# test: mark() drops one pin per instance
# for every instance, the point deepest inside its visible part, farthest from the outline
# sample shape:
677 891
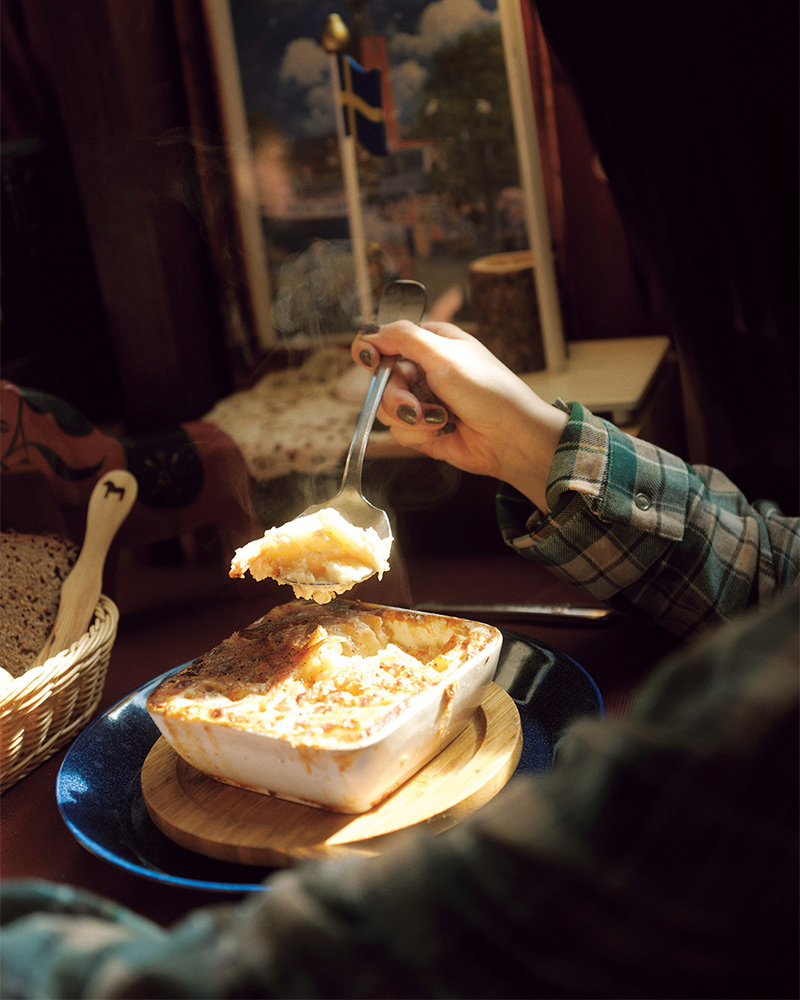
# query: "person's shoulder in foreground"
658 857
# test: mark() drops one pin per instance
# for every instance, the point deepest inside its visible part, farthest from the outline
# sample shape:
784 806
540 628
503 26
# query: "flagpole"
347 155
538 221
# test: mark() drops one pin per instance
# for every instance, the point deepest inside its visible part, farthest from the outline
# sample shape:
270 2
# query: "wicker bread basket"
48 706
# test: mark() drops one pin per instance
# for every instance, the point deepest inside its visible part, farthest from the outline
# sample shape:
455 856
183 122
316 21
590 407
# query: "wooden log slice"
506 311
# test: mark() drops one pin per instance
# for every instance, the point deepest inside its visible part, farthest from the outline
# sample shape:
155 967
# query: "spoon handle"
358 446
109 505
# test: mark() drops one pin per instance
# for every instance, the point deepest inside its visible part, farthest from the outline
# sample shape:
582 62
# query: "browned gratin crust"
305 671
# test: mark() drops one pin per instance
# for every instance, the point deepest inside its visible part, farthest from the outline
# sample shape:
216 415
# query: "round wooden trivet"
234 824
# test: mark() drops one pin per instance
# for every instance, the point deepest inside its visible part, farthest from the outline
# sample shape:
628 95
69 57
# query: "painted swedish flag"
360 94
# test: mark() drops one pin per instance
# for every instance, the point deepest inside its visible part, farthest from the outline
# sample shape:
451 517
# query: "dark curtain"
122 280
54 333
693 109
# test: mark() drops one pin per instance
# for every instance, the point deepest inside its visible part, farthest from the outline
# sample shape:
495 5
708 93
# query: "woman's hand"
450 398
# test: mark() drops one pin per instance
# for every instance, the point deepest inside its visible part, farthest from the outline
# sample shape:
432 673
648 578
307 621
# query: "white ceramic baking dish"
354 775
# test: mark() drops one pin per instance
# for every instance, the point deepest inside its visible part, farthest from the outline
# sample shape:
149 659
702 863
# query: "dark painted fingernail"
435 416
366 358
368 328
447 429
407 413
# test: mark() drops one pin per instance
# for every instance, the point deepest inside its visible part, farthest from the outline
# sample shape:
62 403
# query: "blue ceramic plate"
100 797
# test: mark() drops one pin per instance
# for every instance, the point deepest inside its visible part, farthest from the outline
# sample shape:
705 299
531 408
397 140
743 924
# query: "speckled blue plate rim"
98 787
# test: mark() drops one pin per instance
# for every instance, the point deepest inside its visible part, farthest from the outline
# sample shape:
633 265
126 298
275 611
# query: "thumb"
421 344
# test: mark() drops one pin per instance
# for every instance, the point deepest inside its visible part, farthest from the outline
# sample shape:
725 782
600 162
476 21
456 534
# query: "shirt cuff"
604 476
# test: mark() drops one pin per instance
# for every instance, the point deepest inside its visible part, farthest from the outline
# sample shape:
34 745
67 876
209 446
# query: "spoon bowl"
401 299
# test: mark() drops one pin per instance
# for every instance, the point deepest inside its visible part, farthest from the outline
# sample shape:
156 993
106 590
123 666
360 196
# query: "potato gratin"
319 676
332 705
314 549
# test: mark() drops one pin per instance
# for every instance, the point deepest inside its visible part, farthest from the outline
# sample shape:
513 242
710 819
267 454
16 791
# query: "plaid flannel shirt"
640 529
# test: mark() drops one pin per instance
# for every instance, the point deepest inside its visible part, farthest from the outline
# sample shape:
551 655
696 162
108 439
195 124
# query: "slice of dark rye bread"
32 571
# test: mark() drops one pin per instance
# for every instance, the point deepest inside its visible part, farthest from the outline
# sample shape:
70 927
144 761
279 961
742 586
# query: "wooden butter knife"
109 505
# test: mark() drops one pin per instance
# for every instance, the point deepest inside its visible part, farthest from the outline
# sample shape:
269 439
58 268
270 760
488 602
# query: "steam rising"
316 292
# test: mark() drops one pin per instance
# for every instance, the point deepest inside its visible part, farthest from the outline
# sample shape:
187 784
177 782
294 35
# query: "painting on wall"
446 191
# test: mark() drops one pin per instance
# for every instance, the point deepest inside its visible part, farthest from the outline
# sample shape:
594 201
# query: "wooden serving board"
235 824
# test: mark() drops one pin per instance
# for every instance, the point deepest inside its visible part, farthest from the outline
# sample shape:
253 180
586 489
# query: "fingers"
408 399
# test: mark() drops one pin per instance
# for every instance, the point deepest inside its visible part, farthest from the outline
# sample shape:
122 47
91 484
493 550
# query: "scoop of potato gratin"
320 555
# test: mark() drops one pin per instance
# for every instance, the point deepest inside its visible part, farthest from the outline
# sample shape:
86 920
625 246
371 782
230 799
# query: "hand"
450 398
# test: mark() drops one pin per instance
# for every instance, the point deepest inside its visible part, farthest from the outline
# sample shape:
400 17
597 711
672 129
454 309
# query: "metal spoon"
400 299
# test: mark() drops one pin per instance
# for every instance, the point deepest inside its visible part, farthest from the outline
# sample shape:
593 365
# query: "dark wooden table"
171 614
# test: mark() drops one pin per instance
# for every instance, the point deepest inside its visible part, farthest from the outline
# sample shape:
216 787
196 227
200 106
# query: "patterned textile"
657 858
640 529
188 476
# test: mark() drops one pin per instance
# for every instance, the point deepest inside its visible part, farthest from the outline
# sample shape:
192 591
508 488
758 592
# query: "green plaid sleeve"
642 530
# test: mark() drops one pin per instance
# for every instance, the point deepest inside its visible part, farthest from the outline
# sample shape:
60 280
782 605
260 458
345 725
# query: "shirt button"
642 501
